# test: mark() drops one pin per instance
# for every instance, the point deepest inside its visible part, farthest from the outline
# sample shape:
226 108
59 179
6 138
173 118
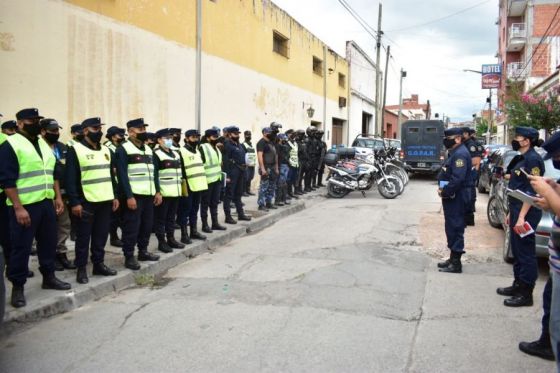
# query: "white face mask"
168 143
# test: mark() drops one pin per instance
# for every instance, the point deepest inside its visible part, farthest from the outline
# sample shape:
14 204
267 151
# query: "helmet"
311 130
320 132
275 126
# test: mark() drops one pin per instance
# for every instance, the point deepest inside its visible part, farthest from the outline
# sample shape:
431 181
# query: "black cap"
10 124
136 123
76 128
31 113
150 136
528 132
174 131
92 122
233 129
164 132
211 132
114 130
192 133
49 124
454 131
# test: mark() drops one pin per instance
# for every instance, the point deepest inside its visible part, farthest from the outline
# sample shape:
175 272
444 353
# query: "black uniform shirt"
532 163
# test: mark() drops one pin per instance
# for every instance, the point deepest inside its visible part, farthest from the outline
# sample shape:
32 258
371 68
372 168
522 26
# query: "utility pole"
490 118
198 68
403 75
378 73
385 91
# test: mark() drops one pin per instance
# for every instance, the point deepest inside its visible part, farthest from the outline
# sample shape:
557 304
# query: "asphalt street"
346 285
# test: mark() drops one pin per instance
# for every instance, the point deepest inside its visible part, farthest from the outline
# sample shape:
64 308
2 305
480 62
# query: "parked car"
497 208
365 145
488 162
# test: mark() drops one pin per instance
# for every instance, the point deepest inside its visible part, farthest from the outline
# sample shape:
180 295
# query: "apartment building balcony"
515 71
517 37
516 8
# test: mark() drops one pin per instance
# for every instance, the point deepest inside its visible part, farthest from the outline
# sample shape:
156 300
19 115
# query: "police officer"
476 153
176 137
525 268
234 166
322 152
250 161
212 159
76 133
171 173
310 156
196 182
268 169
115 137
314 148
151 140
27 176
9 127
139 186
284 169
50 132
303 159
92 191
454 193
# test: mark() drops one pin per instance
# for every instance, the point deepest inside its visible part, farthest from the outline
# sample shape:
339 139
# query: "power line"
359 19
540 42
442 18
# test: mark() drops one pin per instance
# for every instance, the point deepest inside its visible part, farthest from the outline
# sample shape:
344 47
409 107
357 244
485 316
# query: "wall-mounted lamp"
310 110
331 70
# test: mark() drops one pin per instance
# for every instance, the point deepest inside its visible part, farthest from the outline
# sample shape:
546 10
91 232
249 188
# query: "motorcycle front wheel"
335 191
389 187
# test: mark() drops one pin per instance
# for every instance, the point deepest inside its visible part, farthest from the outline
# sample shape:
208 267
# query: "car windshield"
369 143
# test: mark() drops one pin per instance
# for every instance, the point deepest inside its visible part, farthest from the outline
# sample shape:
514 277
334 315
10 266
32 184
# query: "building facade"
124 59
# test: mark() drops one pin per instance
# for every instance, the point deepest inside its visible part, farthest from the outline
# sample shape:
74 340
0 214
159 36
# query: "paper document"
523 197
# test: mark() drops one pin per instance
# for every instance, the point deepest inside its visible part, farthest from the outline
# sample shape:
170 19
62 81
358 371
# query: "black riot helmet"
276 127
311 130
300 134
320 133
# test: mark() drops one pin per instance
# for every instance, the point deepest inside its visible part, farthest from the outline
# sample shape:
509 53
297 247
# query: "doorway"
366 120
337 131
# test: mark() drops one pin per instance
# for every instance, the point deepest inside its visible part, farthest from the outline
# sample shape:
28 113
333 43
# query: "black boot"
115 240
523 299
66 263
162 244
216 224
243 217
270 206
445 263
146 256
455 265
205 227
51 282
509 291
130 262
18 297
541 348
230 220
185 235
172 242
81 275
100 269
195 235
58 265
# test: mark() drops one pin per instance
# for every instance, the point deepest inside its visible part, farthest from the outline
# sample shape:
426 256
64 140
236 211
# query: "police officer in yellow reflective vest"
91 189
115 137
196 182
171 173
212 159
27 176
139 188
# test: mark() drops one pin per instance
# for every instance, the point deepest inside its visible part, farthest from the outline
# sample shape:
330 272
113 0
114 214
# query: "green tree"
538 111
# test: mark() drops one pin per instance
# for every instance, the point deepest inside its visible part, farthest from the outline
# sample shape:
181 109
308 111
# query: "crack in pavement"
129 315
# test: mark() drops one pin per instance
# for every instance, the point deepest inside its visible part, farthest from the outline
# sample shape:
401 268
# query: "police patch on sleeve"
473 148
459 163
535 171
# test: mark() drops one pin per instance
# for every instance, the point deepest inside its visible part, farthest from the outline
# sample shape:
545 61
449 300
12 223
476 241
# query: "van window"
431 129
413 129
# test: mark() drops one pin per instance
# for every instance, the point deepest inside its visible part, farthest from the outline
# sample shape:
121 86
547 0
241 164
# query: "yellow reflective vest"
212 163
140 169
95 170
196 176
170 174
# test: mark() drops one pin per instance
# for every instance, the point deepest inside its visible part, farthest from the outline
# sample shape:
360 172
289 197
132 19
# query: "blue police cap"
225 129
31 113
283 136
114 130
267 130
76 128
233 129
527 132
453 131
49 124
211 132
150 136
10 124
192 133
174 131
136 123
164 133
218 130
552 145
92 122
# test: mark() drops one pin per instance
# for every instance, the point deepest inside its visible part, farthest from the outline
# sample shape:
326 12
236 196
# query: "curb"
81 295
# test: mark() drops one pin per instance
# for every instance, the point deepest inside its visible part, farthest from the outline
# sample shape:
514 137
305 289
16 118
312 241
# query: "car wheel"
493 213
506 250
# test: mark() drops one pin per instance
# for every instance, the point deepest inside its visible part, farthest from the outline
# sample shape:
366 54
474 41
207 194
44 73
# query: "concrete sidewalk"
45 303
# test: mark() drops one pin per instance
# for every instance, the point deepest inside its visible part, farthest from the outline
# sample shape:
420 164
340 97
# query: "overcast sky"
433 55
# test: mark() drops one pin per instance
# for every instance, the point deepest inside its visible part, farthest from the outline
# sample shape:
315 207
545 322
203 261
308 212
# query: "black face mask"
79 138
176 139
248 140
32 129
193 144
213 142
51 138
119 141
234 138
448 143
151 145
95 137
142 136
515 145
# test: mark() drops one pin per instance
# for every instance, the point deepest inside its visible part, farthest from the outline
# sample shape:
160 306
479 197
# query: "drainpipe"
325 91
198 72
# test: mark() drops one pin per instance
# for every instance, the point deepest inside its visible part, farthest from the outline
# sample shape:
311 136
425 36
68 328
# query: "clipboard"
523 197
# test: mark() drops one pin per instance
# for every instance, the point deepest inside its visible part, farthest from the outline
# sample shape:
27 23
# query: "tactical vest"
109 144
170 175
250 155
140 169
294 159
95 169
35 181
212 164
196 176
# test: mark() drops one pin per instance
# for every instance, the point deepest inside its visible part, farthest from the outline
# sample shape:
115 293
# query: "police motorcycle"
348 173
384 160
392 159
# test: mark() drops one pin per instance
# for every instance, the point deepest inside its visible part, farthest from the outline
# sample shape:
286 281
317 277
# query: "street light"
489 100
